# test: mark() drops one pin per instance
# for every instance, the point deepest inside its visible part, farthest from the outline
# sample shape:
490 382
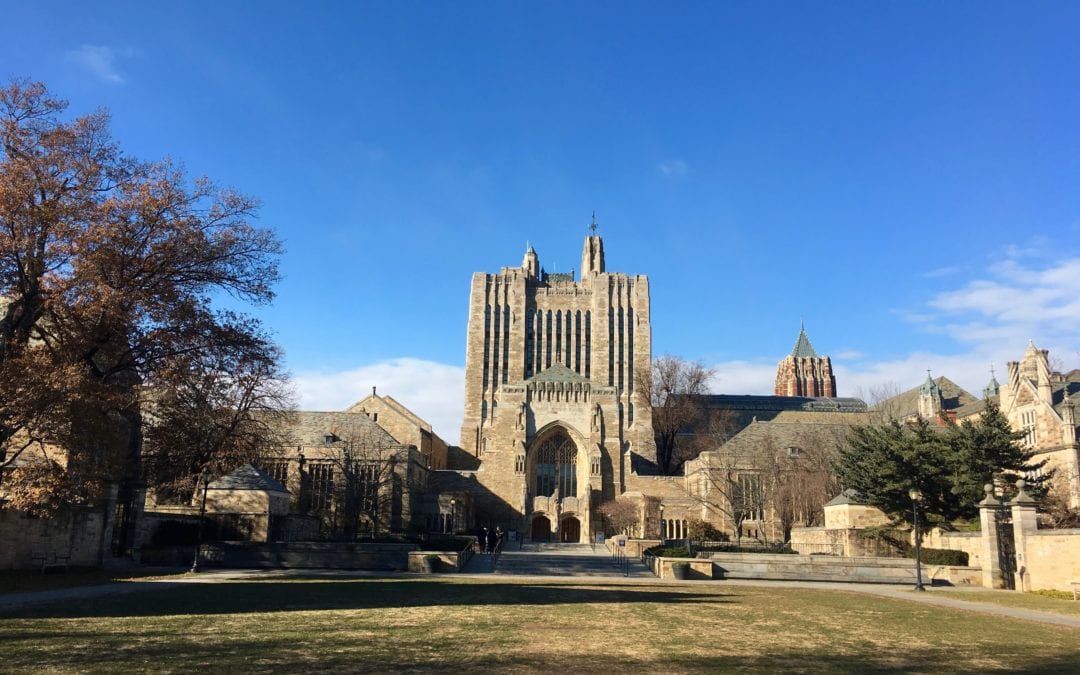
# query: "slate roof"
312 428
557 373
774 404
803 348
248 477
906 404
848 496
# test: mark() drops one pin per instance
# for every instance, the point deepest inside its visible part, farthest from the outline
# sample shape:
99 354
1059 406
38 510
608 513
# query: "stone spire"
592 255
531 263
930 399
992 388
803 348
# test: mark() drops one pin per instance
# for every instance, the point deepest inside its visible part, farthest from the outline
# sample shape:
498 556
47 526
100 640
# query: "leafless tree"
674 387
368 477
764 478
621 516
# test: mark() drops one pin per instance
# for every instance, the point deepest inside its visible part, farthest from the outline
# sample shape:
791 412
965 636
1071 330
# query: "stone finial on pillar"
988 519
1025 524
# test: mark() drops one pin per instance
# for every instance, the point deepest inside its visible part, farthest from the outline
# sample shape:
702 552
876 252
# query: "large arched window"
556 466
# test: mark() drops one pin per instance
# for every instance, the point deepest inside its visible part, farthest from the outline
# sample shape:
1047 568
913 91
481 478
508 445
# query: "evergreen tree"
948 465
989 450
883 462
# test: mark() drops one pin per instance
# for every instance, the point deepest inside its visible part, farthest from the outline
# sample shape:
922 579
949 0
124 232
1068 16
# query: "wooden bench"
50 561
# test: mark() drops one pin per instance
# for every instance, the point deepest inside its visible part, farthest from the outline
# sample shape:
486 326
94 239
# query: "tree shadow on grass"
167 651
240 597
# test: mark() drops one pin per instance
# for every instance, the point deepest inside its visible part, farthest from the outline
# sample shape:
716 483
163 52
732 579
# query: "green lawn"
425 623
21 581
1042 603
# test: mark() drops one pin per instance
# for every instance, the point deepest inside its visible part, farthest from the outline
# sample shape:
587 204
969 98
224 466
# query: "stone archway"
541 529
555 466
569 530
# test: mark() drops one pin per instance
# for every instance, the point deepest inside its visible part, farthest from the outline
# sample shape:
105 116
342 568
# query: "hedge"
943 556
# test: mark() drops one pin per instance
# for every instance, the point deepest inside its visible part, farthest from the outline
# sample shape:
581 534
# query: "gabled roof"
905 405
312 428
247 477
557 373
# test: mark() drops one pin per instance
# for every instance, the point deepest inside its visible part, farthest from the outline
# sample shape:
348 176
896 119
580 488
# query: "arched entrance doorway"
569 530
541 529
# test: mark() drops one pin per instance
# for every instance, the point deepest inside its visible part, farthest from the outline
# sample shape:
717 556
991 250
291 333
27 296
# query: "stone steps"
566 563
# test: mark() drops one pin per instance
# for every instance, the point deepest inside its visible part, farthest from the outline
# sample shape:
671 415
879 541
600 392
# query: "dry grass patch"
1041 603
503 625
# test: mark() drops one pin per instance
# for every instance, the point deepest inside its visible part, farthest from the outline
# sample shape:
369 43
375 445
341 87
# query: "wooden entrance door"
541 529
570 530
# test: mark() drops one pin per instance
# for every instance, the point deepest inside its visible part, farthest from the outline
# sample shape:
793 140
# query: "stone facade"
553 409
1041 403
405 426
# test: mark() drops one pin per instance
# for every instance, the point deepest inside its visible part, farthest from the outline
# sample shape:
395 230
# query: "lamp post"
662 525
453 515
204 478
915 497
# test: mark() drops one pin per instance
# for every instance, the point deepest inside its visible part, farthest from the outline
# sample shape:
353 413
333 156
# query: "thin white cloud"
940 272
434 391
674 167
1020 302
100 61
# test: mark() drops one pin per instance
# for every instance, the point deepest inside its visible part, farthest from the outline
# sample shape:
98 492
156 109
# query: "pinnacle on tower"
592 255
803 348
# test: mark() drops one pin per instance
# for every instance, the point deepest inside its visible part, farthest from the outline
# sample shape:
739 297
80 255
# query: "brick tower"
804 373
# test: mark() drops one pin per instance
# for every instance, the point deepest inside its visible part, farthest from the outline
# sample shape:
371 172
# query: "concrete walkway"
930 597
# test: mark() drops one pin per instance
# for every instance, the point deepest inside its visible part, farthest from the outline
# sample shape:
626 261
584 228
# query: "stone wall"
80 536
839 542
1051 560
969 542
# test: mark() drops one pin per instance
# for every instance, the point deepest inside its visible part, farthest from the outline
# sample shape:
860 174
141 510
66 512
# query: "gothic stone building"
553 408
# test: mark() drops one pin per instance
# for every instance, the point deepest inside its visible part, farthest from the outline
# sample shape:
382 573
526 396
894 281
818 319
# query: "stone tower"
804 373
552 404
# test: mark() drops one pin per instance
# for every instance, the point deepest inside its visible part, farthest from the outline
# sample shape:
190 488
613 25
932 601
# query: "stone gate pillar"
1025 523
988 517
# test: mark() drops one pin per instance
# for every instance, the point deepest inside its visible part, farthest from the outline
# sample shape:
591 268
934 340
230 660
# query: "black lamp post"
453 515
204 478
915 497
662 532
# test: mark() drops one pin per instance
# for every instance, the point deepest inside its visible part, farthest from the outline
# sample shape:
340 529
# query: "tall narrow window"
506 342
495 349
556 467
588 344
577 342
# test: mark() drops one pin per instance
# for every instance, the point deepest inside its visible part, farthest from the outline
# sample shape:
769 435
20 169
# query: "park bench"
50 561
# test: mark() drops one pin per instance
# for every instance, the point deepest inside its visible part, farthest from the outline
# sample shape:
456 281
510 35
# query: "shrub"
944 556
1058 595
669 552
700 530
175 533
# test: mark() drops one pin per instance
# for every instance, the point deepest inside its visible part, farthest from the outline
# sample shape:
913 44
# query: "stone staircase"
563 560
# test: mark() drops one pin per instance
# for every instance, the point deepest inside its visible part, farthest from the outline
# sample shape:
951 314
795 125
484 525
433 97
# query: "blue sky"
905 177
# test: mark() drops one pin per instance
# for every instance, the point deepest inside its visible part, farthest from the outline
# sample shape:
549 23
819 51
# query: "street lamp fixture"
453 515
916 497
662 531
